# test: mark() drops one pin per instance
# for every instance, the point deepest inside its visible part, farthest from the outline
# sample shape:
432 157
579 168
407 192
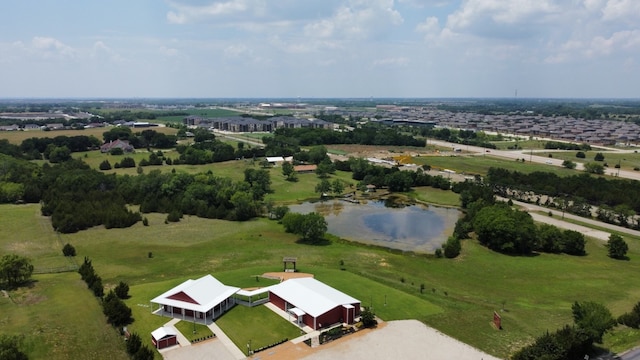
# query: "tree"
594 319
581 155
598 157
569 164
631 319
280 211
105 165
68 250
287 170
452 247
506 230
117 312
127 162
59 154
318 154
325 168
311 227
15 269
337 186
573 242
10 348
323 187
134 342
144 353
594 168
617 247
122 290
549 239
368 318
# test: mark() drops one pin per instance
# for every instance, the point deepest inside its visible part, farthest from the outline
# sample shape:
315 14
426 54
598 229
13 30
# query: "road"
530 156
557 221
633 354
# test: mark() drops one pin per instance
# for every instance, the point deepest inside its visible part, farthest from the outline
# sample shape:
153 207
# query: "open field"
627 161
17 137
60 319
481 164
533 294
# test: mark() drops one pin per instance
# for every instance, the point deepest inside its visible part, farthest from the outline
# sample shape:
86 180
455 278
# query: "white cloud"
430 28
394 61
184 13
356 20
619 41
502 19
628 10
49 48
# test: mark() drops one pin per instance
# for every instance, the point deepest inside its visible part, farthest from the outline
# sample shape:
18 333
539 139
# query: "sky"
320 48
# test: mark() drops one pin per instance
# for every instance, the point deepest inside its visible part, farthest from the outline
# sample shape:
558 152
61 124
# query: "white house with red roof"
204 299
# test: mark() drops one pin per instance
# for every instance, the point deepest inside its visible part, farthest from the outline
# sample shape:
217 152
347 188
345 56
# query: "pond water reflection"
410 228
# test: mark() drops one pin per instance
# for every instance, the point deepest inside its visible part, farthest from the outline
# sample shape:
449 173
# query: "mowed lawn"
533 294
256 325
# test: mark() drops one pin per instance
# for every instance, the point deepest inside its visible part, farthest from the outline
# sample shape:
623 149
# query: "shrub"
127 162
452 247
617 247
105 165
69 250
122 290
581 155
174 216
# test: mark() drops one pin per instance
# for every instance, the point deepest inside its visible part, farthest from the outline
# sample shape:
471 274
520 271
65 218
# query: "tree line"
501 228
618 199
118 314
287 141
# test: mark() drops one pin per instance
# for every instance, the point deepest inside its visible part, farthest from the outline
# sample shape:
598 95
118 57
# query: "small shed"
163 337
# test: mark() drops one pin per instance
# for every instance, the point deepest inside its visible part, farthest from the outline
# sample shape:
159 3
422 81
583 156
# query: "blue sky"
320 48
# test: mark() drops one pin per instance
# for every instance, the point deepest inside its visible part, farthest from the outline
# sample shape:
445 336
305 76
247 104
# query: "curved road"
558 216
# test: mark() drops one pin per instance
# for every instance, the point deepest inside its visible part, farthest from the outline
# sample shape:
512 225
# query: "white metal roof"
311 296
275 158
207 292
163 332
253 292
296 311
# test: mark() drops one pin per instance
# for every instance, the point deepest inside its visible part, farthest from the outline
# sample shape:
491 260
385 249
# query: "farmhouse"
124 145
204 299
308 301
314 303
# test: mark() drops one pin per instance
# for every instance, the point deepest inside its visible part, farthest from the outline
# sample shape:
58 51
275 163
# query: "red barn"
164 337
314 303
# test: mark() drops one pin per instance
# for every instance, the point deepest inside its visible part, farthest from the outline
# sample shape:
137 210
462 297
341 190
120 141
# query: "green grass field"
535 292
481 164
257 325
627 161
60 319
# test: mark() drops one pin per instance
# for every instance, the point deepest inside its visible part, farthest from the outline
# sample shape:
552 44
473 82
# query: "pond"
411 228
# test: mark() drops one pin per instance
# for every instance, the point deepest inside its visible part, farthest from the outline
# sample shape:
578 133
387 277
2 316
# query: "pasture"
533 294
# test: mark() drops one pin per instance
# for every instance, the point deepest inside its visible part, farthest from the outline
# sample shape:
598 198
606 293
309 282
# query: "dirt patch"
28 298
285 275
